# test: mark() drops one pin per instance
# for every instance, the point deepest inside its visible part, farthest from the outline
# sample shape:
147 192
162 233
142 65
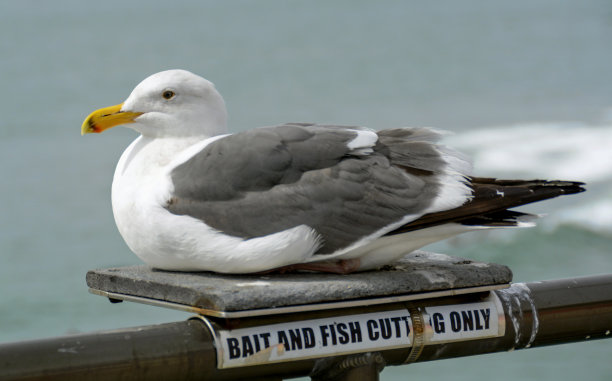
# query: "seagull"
189 196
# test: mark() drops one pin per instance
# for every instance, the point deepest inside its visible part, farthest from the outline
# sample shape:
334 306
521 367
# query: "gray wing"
269 179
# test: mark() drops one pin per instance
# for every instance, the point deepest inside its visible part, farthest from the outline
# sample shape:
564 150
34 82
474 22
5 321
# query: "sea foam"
566 151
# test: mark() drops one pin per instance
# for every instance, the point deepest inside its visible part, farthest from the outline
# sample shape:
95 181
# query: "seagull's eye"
168 94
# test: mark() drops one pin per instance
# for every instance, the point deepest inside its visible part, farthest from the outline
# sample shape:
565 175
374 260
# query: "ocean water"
524 87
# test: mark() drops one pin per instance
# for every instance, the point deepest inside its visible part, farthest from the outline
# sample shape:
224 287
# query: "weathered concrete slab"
419 272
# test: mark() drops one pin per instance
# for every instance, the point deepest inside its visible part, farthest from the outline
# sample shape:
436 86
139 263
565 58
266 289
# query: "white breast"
138 193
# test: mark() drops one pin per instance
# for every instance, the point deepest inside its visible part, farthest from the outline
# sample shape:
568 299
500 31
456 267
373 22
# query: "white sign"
314 338
469 321
355 333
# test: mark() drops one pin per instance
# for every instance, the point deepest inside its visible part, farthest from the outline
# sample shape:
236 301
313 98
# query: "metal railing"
534 314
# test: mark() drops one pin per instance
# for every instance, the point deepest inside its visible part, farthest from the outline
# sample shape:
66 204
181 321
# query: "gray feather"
266 180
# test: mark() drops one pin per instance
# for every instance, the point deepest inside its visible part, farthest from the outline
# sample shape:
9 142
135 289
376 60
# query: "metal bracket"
361 367
418 333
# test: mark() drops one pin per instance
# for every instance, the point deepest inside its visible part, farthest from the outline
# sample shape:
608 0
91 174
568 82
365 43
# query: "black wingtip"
492 197
567 187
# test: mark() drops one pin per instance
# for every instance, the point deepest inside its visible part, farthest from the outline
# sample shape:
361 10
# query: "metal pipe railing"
536 314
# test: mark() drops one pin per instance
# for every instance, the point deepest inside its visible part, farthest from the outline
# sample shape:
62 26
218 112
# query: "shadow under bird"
188 196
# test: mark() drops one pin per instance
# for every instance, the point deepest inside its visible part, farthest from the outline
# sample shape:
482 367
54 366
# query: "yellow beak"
107 117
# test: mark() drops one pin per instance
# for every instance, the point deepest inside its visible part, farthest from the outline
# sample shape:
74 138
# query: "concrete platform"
419 275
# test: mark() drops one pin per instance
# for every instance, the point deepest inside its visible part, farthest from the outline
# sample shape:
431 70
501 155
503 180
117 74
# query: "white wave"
571 151
566 151
595 216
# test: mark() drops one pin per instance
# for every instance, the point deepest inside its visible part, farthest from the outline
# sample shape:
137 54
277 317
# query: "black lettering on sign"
324 335
372 330
265 336
309 337
295 338
486 314
256 343
343 336
332 329
282 339
468 320
455 320
385 328
477 323
355 329
247 347
398 328
233 346
438 322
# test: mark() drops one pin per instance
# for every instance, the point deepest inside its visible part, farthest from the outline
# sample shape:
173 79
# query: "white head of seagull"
172 103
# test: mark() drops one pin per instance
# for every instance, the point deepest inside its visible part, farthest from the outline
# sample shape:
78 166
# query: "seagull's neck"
148 154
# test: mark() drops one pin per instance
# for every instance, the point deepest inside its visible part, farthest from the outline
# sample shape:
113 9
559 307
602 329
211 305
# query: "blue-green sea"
524 86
